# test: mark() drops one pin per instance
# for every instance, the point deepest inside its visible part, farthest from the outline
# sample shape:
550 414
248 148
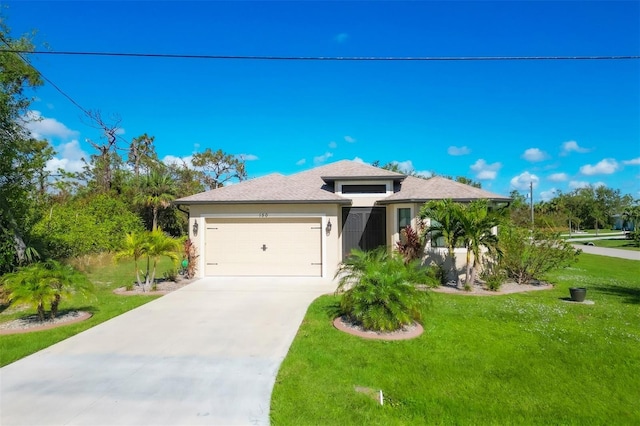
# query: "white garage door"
263 247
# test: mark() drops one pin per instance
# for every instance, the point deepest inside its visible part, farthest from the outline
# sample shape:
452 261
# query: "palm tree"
445 223
160 244
158 190
477 223
135 246
45 283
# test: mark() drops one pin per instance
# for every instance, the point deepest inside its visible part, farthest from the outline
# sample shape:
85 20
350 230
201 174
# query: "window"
364 189
404 218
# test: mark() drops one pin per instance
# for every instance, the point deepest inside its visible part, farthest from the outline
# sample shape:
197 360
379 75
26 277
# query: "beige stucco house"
305 224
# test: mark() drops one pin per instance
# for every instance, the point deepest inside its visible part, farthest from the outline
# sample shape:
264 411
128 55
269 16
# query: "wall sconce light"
328 228
195 228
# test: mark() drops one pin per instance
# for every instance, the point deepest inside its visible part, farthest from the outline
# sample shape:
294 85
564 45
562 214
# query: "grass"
513 359
106 277
619 244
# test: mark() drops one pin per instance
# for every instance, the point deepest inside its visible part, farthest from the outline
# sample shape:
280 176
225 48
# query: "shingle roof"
273 188
414 189
314 186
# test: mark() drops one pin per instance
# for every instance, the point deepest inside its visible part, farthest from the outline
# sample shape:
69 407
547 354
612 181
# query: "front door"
363 228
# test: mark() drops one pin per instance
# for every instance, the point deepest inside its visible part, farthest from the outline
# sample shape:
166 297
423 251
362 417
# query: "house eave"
424 200
332 179
187 202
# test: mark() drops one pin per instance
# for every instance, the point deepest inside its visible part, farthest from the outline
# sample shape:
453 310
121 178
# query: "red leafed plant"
191 256
410 246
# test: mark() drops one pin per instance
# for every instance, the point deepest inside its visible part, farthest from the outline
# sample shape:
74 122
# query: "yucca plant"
379 290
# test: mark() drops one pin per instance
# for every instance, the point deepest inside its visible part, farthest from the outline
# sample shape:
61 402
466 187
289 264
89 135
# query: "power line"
337 58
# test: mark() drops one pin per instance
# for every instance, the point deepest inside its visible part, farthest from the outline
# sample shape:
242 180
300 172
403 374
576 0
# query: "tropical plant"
477 223
158 190
46 283
135 247
191 256
159 245
527 256
411 244
379 290
444 223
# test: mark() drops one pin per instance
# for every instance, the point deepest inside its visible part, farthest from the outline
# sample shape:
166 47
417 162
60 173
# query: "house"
306 223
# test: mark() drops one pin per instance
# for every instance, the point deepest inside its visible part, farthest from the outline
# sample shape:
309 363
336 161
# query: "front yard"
513 359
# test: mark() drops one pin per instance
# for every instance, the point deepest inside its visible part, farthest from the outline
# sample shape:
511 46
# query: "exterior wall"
393 236
331 243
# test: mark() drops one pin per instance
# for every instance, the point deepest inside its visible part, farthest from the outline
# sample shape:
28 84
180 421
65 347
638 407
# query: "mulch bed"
405 333
162 287
479 289
32 323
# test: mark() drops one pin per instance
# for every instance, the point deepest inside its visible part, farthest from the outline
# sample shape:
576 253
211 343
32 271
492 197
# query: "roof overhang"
332 179
425 200
341 202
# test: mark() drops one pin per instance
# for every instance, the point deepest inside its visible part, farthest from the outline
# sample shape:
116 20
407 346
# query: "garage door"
263 247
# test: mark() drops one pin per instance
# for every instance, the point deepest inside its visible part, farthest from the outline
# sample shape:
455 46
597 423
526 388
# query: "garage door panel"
252 247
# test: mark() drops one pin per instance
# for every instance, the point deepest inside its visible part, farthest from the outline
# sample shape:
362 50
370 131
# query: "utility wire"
336 58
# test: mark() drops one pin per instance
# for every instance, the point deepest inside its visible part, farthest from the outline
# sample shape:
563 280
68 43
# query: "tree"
477 223
134 247
21 157
445 223
45 283
219 167
142 154
158 190
160 245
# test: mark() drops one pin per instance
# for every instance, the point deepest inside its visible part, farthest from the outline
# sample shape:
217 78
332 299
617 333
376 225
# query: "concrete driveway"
205 354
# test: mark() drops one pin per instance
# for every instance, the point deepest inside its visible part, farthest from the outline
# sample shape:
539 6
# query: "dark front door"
363 228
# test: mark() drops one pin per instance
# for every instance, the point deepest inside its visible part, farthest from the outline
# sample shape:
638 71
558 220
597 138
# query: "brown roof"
414 190
273 188
315 186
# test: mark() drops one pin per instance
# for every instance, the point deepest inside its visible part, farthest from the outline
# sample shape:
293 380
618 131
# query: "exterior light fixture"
195 228
328 228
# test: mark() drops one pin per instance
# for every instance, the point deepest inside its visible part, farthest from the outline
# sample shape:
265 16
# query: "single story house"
306 223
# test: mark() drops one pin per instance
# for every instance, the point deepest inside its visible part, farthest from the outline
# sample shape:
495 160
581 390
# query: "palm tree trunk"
467 277
154 226
54 306
41 311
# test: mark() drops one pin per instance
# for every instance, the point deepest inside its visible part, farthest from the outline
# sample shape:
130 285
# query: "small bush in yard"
528 255
380 290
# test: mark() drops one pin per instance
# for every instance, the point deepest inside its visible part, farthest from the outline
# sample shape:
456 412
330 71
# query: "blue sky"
562 124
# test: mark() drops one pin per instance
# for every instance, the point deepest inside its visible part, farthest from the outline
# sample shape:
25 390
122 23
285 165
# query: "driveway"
611 252
205 354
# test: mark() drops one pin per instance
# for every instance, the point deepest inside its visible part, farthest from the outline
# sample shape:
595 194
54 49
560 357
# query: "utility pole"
531 201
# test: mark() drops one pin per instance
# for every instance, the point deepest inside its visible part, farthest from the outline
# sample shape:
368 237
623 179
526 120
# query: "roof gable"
415 189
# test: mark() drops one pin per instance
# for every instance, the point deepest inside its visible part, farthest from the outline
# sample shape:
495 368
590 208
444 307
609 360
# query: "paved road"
611 252
205 354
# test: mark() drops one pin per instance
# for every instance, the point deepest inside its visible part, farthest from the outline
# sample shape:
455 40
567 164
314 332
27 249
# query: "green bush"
380 290
85 226
528 255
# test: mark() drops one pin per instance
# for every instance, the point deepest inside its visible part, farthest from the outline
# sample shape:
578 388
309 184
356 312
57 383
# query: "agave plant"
379 290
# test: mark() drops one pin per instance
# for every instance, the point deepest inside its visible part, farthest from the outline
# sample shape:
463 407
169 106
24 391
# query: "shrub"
527 255
411 245
170 275
380 290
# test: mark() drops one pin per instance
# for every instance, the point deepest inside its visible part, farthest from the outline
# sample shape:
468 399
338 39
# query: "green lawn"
620 244
105 305
514 359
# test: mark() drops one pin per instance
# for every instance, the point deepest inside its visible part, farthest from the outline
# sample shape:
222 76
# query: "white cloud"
454 150
548 195
341 38
301 161
633 162
572 146
350 139
322 158
485 171
523 180
404 166
120 131
575 184
42 128
178 161
359 160
534 154
248 157
69 157
558 177
604 167
599 184
333 145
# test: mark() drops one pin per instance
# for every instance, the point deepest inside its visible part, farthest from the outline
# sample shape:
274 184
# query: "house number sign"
263 215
